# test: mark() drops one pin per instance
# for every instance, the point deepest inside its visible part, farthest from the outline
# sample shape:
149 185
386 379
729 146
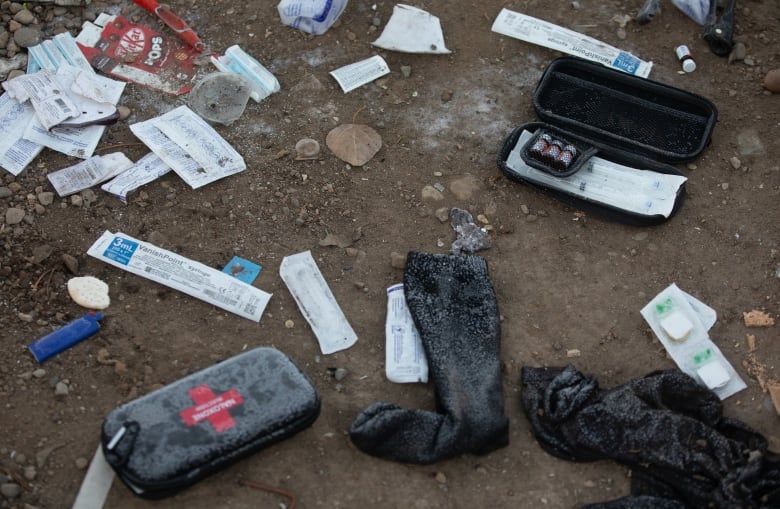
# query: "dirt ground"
564 281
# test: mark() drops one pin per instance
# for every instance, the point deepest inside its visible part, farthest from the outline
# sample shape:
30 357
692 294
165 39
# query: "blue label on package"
121 250
242 269
626 62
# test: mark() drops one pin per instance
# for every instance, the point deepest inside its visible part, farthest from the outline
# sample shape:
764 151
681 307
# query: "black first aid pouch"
606 141
173 437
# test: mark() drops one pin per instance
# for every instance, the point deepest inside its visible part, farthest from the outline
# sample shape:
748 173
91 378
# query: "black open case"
171 438
588 110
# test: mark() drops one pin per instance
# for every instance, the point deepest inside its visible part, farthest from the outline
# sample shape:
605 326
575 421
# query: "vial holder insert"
553 152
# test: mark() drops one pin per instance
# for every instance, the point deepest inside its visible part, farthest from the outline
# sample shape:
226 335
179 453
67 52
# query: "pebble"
640 236
406 70
25 17
39 373
71 263
10 490
30 473
5 192
739 52
61 389
431 193
14 215
81 463
40 253
772 80
26 37
42 456
20 459
573 353
289 324
124 112
524 209
307 148
397 260
76 200
340 374
15 7
442 214
735 163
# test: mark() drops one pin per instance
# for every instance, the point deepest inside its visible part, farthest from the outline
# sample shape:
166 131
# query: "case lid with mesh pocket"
633 114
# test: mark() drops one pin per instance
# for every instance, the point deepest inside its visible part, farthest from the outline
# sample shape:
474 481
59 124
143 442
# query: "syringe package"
607 141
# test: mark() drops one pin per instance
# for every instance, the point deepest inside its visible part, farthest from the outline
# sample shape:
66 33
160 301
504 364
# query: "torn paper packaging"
16 152
405 360
358 74
412 30
316 302
190 146
70 97
88 173
77 141
681 323
180 273
147 169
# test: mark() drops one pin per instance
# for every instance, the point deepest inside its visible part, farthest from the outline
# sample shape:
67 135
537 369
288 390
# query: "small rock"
30 473
14 215
40 253
640 236
61 389
735 163
124 112
20 459
724 186
772 80
71 263
25 317
88 197
13 7
397 260
524 209
530 218
738 52
440 478
81 463
574 352
406 70
307 148
10 490
42 456
340 374
446 96
442 214
120 368
5 192
26 37
431 193
39 373
76 200
289 324
25 17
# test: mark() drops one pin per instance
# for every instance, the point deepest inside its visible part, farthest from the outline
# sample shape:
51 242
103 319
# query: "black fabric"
454 307
671 431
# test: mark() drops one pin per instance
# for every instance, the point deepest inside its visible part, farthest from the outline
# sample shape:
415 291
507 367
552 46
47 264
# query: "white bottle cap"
688 65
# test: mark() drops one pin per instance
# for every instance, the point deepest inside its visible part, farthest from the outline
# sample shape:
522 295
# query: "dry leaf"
355 144
757 318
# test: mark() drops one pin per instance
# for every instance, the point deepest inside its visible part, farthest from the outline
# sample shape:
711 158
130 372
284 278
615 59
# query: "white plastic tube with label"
405 360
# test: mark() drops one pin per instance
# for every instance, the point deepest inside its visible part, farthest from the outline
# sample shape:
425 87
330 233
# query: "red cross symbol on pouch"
212 408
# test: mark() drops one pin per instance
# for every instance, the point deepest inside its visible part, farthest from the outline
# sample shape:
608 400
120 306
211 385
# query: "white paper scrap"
358 74
316 302
180 273
16 152
405 360
96 484
76 141
145 170
190 146
549 35
88 173
697 350
640 191
412 30
48 96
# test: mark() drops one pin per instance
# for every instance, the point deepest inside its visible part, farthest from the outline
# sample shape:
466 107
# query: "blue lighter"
66 336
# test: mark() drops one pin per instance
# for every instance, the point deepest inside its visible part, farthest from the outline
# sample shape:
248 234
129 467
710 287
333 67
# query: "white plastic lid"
714 375
677 326
688 65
